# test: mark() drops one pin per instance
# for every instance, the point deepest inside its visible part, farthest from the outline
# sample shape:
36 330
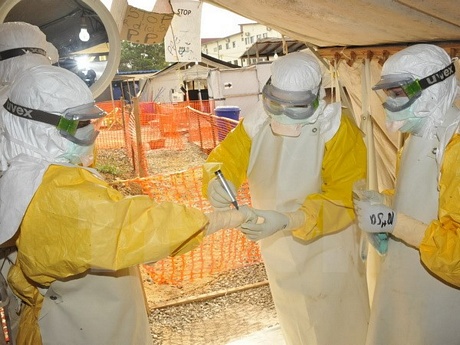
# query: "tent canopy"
354 38
330 23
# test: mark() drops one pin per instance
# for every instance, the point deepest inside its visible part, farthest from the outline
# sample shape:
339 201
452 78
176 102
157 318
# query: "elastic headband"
11 53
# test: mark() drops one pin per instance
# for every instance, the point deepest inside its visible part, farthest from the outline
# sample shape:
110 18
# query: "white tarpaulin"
345 23
182 41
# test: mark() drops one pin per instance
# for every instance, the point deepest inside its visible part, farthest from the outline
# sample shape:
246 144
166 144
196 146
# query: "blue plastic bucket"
223 126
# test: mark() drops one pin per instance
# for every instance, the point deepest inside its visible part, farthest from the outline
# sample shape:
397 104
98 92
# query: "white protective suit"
22 45
316 276
411 305
13 36
79 240
29 148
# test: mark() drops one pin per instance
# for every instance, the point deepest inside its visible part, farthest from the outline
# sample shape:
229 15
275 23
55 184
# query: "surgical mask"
400 115
404 121
80 154
285 125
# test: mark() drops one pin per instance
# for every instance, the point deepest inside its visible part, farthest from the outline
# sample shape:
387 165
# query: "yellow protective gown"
344 162
77 232
316 277
440 248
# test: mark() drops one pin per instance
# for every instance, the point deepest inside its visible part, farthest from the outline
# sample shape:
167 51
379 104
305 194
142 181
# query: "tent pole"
373 258
343 95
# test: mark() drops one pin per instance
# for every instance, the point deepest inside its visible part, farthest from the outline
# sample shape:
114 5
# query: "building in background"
231 49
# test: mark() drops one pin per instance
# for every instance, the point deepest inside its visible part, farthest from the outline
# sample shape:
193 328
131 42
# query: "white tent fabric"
327 23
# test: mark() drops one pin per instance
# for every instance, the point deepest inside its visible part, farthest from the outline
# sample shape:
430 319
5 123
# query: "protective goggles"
67 123
298 105
401 90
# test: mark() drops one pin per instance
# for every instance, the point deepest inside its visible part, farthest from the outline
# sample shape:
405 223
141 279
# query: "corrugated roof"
270 46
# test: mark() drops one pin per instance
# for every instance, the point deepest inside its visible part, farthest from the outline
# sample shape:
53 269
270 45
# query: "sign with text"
145 27
182 41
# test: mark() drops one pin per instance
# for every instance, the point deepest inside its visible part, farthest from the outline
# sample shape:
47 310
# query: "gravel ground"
189 314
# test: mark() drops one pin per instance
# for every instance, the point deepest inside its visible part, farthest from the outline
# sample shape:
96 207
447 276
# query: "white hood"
47 88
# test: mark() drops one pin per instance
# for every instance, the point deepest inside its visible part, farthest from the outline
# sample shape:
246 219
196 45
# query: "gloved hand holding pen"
221 197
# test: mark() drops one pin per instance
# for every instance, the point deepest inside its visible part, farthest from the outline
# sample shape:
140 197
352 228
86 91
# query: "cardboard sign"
145 27
182 41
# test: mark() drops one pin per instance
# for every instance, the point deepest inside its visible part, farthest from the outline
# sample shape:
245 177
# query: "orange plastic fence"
165 128
168 127
222 251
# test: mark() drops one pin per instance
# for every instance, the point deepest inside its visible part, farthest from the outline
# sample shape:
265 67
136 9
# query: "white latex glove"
229 219
374 218
271 222
217 195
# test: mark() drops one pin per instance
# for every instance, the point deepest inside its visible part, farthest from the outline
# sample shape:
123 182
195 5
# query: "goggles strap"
31 114
11 53
41 116
437 77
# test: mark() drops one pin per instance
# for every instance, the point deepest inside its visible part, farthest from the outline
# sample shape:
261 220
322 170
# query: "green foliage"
141 57
107 169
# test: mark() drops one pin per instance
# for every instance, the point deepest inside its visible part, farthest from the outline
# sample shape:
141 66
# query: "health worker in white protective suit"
78 239
301 158
22 46
417 300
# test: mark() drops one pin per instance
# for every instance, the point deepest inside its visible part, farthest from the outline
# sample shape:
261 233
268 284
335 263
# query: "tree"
141 57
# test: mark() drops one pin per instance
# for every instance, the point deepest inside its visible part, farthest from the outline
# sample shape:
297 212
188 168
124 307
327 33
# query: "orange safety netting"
222 251
160 126
168 127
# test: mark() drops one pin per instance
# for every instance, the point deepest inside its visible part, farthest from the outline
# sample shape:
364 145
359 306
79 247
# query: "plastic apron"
71 312
104 308
319 289
410 305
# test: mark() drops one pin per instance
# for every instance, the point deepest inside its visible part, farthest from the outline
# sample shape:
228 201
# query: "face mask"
403 121
286 126
279 128
401 115
79 154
